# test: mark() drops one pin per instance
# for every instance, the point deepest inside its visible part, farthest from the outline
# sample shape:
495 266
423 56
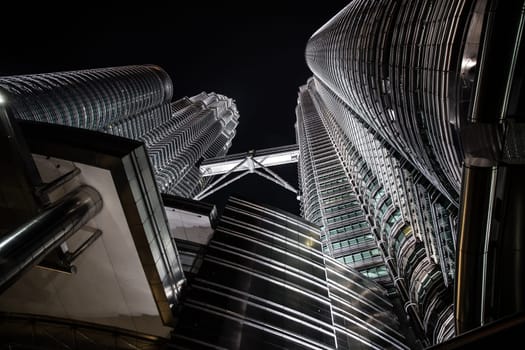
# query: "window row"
344 217
348 228
353 241
375 272
360 256
341 206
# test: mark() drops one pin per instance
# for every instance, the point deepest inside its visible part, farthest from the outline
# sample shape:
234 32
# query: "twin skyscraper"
409 221
133 102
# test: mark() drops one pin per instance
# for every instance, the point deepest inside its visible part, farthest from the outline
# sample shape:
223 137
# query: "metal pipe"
27 245
474 223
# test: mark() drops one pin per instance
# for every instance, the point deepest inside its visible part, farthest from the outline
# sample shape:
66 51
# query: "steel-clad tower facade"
379 215
264 283
378 131
328 198
396 66
133 102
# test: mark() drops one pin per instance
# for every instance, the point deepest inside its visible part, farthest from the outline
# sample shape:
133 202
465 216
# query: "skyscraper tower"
133 102
395 66
264 283
378 110
428 97
328 198
379 215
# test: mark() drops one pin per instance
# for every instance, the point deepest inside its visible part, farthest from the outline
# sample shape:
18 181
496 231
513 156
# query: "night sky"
253 53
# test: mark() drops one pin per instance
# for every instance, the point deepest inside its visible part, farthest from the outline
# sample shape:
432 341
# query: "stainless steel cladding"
379 214
264 283
133 102
89 99
397 66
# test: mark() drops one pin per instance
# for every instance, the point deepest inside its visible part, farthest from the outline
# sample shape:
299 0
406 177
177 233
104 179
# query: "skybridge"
235 166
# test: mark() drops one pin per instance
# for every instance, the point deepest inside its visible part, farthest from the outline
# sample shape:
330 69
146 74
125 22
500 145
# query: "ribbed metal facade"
133 102
388 90
396 65
265 284
328 198
408 224
90 99
193 128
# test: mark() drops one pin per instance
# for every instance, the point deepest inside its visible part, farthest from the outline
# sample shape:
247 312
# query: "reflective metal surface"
393 64
503 333
29 243
502 36
382 216
490 261
89 99
435 86
328 196
475 215
133 102
505 294
265 284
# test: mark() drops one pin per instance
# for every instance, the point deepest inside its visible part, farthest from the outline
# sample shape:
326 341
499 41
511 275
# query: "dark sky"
253 53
